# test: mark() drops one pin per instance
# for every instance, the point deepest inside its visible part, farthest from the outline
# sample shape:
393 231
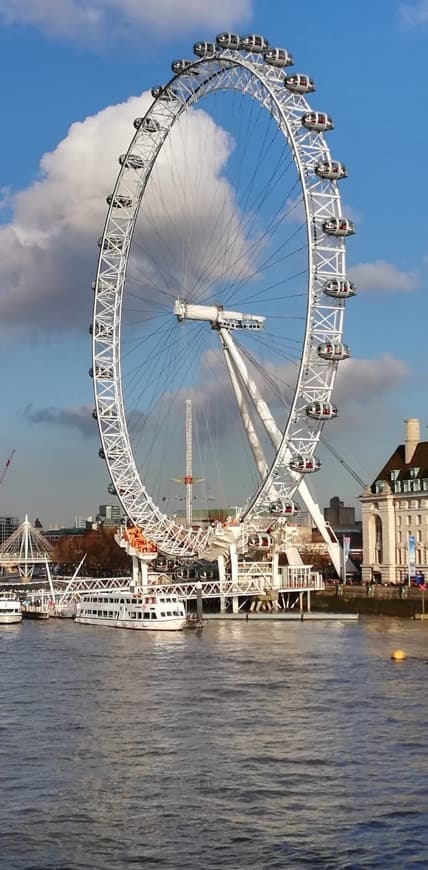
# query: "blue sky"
62 67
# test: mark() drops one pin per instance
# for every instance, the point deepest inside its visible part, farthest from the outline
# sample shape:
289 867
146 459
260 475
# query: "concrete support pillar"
136 571
144 568
275 570
234 576
222 580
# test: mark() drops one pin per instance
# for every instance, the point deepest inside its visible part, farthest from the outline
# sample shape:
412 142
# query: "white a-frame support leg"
238 370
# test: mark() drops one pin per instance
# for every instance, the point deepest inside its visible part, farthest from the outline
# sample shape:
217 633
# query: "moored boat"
10 610
145 611
37 605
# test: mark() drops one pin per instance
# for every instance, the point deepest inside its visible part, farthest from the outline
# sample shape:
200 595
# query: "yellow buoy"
398 655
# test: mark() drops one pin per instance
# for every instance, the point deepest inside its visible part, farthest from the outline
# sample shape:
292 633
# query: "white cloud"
414 13
363 381
382 275
48 251
69 418
361 391
96 19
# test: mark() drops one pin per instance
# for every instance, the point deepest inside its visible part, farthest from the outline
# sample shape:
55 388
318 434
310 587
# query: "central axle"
217 316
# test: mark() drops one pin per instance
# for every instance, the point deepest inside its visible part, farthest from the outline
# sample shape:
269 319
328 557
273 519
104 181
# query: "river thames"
250 745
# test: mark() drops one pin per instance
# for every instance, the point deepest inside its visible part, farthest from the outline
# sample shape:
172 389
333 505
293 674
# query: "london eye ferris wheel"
221 278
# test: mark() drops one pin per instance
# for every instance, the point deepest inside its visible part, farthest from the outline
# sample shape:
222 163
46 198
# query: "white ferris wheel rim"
246 72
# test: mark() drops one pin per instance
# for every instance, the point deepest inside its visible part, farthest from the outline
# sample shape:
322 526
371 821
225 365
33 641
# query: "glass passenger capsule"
102 372
334 351
101 453
338 289
339 227
254 42
151 125
283 508
119 201
94 414
108 412
228 40
279 57
179 66
304 464
204 49
205 574
111 243
319 122
112 489
331 169
321 411
260 542
299 84
131 161
162 93
102 330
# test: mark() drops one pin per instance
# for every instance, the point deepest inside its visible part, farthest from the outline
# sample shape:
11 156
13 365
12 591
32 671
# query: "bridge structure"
25 550
236 579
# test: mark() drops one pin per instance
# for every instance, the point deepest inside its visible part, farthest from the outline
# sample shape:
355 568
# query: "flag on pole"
411 557
346 543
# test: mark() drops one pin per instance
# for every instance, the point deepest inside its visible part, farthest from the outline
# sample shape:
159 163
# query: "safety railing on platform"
253 579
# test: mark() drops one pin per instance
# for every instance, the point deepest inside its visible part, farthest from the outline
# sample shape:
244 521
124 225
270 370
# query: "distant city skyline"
77 77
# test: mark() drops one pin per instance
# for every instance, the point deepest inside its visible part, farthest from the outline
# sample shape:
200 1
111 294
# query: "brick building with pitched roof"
395 507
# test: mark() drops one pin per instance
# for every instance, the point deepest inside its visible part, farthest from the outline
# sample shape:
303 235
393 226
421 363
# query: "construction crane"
6 467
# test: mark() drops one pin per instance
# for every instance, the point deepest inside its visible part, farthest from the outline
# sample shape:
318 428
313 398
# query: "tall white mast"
188 478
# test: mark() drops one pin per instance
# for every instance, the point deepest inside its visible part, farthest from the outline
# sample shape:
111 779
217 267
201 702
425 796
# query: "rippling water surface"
252 745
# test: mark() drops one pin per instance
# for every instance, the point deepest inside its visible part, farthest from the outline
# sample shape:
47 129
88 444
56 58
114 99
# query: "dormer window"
414 472
379 486
395 473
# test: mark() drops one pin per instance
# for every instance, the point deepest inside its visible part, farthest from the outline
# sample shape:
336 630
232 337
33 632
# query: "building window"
379 486
418 520
397 486
414 472
395 473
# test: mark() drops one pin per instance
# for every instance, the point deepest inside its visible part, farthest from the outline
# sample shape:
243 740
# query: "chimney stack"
412 439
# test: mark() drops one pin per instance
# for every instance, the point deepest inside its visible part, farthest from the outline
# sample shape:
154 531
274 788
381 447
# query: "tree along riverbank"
371 599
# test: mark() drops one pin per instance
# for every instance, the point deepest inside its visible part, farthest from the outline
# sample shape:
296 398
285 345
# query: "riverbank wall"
376 600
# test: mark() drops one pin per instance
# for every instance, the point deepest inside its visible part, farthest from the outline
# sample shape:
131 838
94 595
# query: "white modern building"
394 510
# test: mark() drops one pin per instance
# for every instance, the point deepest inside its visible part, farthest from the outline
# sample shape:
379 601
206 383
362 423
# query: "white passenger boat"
10 609
132 609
